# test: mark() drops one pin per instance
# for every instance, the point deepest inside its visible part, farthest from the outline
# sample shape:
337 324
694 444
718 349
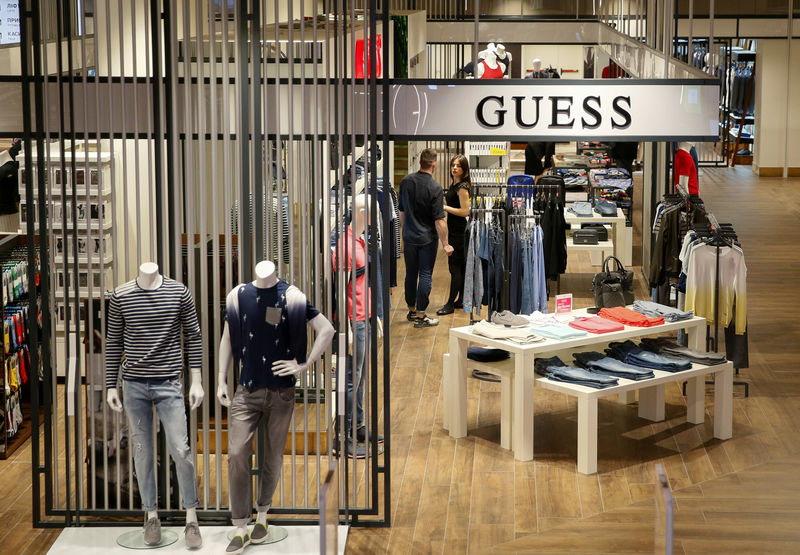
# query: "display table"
621 238
651 392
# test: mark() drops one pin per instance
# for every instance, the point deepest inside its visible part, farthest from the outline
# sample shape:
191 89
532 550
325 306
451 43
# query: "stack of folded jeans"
606 208
628 352
579 376
600 363
582 209
654 310
666 347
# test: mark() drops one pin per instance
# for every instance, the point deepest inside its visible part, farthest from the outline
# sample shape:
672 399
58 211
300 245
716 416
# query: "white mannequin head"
149 278
360 214
536 64
265 274
500 50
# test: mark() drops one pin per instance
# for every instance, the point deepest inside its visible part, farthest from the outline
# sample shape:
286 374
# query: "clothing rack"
718 235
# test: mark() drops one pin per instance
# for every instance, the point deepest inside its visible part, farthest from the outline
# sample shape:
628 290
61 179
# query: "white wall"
774 110
560 56
417 41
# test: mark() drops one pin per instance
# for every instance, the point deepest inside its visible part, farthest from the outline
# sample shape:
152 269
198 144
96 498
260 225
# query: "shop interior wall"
777 107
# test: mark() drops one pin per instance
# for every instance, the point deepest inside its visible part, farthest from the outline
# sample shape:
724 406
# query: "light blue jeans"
139 397
355 376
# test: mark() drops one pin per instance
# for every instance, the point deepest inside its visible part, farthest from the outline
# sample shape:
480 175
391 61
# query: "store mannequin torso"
490 68
685 169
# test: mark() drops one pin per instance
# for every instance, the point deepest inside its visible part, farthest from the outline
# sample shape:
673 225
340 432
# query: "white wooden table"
651 396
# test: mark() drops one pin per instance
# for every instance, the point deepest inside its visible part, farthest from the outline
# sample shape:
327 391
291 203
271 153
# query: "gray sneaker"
259 533
509 319
192 536
152 531
426 322
237 545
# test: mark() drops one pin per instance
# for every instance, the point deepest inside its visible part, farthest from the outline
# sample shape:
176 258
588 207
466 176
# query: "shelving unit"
94 223
489 163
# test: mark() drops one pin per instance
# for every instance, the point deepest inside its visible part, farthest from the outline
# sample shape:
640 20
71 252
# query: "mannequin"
489 48
536 72
490 68
276 336
504 58
351 253
141 319
685 166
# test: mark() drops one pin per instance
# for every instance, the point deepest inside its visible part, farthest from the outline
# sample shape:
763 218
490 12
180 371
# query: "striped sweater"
146 325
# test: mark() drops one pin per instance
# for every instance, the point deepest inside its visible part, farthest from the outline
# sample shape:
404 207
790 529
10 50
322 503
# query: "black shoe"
458 306
411 316
425 322
446 309
363 437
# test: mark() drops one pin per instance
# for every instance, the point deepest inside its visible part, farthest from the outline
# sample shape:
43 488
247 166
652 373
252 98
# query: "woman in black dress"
457 203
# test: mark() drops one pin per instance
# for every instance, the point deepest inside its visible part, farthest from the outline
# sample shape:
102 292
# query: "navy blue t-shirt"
265 334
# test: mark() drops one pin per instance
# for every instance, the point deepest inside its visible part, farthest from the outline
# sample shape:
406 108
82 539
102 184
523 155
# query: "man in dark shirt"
423 218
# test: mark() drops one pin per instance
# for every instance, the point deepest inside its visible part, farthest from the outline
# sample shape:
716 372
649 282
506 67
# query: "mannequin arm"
112 398
225 360
196 393
325 333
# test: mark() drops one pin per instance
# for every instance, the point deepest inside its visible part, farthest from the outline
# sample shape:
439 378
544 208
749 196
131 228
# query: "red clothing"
629 317
612 71
684 165
593 324
345 245
489 73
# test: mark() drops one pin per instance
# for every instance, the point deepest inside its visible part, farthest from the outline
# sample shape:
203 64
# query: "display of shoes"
509 319
192 536
237 544
426 322
152 531
259 533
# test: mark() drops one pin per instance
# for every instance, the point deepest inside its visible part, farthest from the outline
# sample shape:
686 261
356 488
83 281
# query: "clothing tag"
273 315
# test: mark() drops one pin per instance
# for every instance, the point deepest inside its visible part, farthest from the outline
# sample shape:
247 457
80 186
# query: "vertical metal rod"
385 90
711 33
319 167
246 207
215 185
789 25
308 254
475 38
292 186
202 190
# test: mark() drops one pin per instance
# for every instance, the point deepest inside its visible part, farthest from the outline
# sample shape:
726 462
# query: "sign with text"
9 22
564 303
619 109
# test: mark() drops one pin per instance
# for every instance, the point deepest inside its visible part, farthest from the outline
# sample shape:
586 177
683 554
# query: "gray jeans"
275 406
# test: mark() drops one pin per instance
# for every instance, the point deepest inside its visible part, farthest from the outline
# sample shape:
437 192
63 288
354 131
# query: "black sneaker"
411 316
425 322
446 309
364 437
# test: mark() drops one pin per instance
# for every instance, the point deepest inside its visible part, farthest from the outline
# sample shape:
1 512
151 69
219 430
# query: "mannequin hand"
112 398
448 250
287 367
222 395
196 394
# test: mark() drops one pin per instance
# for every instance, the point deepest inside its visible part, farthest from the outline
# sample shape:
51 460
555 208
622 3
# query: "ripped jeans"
139 397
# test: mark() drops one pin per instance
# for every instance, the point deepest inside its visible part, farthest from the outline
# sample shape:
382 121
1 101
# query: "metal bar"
216 184
308 254
711 34
292 224
246 207
387 490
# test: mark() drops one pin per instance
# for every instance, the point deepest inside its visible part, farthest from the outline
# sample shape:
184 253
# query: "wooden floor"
469 495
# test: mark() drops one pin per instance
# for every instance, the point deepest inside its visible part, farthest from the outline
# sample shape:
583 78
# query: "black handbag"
585 237
612 288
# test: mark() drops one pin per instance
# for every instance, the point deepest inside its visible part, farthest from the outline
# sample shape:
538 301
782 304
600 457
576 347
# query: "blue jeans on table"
614 367
355 376
580 376
139 397
631 353
419 273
